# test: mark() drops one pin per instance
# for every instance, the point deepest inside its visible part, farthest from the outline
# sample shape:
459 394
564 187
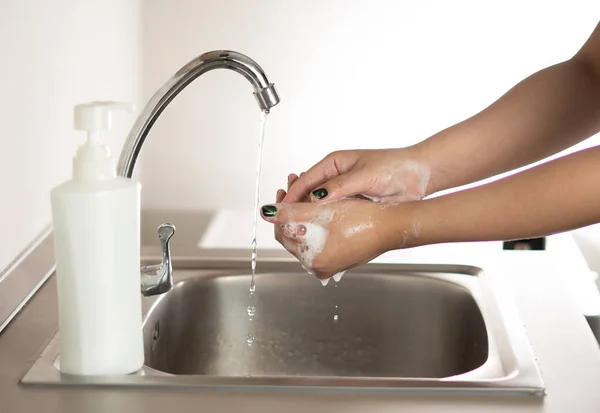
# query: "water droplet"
335 318
252 287
248 375
250 339
251 310
337 277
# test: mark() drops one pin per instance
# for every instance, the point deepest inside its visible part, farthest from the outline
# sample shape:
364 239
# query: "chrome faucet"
158 279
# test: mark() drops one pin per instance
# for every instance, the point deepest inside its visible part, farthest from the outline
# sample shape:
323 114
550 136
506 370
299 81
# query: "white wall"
351 74
55 54
368 73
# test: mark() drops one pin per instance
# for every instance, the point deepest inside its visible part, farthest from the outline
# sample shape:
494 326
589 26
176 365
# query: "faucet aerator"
267 97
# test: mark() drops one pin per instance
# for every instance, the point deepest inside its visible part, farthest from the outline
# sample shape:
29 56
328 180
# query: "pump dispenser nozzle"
93 160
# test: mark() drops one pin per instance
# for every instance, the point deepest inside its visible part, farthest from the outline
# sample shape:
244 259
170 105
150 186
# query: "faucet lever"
158 278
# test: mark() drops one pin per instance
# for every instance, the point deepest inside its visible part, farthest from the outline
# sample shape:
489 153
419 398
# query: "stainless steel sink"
387 325
398 327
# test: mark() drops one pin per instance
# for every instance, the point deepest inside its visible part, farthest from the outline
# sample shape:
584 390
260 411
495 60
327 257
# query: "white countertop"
553 289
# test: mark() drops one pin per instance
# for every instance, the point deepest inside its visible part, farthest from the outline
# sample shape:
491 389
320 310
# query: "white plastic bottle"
96 222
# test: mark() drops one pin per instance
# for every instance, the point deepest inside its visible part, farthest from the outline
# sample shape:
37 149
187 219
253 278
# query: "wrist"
425 153
400 227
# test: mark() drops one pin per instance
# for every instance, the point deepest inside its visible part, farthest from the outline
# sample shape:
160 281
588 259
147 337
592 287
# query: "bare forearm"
556 196
547 112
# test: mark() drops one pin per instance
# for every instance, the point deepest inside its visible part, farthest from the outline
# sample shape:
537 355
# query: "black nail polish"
269 210
320 193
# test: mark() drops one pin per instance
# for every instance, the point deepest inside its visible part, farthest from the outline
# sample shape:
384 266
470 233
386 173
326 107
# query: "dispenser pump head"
93 160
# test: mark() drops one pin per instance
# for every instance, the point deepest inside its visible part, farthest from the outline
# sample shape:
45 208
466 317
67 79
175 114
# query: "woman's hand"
384 175
331 238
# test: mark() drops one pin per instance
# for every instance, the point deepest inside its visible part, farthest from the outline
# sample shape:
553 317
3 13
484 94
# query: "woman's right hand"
383 175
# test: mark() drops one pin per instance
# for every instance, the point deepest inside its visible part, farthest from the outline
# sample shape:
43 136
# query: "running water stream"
261 139
251 308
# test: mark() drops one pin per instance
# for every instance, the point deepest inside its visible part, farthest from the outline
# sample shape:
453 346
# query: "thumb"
281 213
341 186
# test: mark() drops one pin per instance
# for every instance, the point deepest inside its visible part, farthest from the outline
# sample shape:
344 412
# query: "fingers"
291 179
278 230
280 195
295 230
275 213
290 236
281 213
332 165
288 243
346 185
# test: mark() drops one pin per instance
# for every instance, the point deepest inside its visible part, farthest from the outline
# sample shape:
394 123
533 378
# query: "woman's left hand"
333 237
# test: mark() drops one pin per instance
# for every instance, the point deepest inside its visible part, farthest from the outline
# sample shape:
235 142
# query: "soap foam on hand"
313 236
313 240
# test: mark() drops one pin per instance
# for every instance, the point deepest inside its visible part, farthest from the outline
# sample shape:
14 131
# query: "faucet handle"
158 278
165 232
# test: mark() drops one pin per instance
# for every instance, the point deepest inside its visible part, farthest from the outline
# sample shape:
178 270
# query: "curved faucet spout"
264 92
158 279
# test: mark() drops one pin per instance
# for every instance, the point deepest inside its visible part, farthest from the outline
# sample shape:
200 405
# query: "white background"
351 74
53 55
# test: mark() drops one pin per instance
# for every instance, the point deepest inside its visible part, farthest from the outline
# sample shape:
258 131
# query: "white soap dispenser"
96 223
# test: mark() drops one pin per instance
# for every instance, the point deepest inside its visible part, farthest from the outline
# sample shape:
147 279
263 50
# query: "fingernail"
320 193
269 210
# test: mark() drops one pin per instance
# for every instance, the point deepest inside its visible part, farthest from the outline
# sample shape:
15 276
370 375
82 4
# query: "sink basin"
383 327
387 325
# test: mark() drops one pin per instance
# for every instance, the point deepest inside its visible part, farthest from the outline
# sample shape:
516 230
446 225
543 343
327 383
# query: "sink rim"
510 367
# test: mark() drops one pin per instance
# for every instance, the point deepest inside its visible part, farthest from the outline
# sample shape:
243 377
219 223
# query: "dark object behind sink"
389 326
594 323
529 244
